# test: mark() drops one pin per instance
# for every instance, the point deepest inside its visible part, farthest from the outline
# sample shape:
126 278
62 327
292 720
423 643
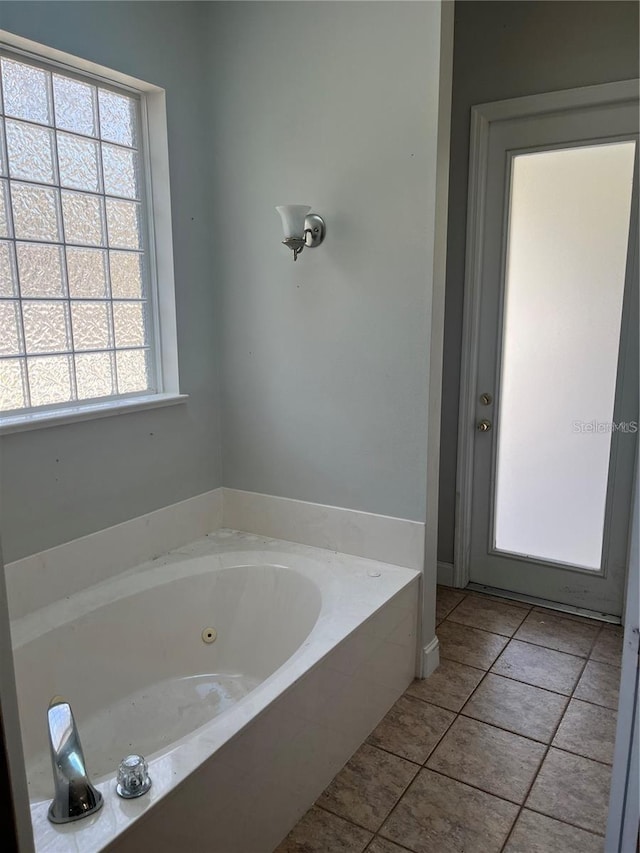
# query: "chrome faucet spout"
75 797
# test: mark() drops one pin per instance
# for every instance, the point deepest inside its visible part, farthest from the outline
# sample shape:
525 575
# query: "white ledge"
86 412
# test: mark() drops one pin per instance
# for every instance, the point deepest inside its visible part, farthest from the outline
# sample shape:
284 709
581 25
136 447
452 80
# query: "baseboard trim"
430 658
445 573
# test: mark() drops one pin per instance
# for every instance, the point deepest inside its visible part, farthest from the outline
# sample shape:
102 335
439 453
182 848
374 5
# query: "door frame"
624 798
482 116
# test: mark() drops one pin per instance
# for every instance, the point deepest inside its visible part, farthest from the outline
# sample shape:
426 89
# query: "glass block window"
74 303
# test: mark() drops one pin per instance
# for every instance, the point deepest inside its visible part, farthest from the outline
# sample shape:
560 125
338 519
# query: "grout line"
550 648
533 780
520 806
391 841
456 715
519 734
567 822
440 739
605 662
471 785
517 639
525 616
593 645
519 681
449 612
474 691
441 707
389 752
586 659
433 748
548 749
472 665
580 755
566 697
350 820
420 766
397 803
496 633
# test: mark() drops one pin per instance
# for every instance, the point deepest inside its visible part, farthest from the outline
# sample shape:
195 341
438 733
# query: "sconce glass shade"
293 216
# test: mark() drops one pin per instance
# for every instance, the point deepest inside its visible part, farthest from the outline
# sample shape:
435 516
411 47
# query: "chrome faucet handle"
133 778
75 796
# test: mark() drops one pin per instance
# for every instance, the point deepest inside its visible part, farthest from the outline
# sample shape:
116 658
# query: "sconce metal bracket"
314 230
314 233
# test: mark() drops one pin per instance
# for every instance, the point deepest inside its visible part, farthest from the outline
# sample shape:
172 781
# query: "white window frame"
154 152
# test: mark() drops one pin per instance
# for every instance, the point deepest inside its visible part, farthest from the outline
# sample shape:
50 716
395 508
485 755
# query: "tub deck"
262 741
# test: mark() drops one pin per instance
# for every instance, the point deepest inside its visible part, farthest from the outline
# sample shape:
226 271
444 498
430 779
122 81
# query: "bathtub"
241 734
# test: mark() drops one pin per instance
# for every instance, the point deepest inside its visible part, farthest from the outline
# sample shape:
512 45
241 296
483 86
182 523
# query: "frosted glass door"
552 412
568 230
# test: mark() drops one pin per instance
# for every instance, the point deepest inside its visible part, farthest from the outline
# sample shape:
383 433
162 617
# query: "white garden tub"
242 733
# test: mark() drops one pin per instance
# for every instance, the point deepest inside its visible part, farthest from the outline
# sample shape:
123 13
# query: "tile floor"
506 747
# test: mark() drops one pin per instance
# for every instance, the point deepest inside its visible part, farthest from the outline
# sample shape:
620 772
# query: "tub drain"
209 635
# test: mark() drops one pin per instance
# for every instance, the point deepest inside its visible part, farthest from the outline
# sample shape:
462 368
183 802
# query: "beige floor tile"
469 645
600 684
446 600
411 729
496 761
588 730
440 815
381 845
368 787
518 707
318 832
541 667
555 632
608 647
536 833
449 686
574 789
489 615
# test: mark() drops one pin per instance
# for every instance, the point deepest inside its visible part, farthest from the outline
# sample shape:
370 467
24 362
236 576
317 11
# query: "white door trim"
482 116
624 799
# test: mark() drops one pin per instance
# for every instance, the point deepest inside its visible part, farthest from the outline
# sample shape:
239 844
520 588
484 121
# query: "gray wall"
325 361
67 481
506 50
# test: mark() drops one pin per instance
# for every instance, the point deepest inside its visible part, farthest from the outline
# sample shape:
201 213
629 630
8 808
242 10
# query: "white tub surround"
41 579
242 734
38 580
365 534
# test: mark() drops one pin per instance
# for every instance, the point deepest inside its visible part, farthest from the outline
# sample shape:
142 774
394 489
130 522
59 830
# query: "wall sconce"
301 228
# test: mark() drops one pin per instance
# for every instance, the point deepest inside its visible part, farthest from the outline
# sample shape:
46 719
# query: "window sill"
89 412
